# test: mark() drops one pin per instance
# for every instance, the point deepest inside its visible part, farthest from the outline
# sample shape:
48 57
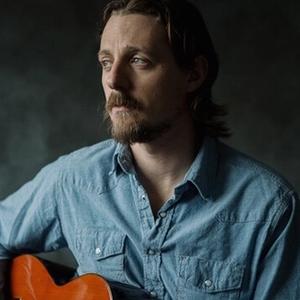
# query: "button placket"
147 220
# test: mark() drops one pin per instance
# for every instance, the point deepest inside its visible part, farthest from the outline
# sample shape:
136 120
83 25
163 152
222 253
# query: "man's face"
145 90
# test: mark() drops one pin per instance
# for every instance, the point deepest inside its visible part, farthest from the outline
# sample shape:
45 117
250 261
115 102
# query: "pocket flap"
108 244
100 242
211 276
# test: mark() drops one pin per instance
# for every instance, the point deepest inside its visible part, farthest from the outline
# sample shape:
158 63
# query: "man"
164 205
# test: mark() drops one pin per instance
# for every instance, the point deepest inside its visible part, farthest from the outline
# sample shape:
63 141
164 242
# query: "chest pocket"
101 250
208 280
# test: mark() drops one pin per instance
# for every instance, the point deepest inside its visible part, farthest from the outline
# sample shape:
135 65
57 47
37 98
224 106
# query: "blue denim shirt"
230 230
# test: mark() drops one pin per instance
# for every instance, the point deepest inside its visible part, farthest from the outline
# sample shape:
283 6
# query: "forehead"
133 30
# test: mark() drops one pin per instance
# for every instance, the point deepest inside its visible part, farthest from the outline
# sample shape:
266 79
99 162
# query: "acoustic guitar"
30 280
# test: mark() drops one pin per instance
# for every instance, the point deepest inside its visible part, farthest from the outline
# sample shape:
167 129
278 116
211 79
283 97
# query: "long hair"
189 38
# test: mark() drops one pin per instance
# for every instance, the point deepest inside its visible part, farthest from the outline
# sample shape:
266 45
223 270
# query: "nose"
117 78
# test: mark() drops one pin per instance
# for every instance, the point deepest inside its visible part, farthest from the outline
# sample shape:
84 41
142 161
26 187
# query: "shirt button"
208 283
98 251
144 197
153 294
163 214
151 252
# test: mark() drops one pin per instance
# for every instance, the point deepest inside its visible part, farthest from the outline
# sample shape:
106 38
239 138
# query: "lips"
119 109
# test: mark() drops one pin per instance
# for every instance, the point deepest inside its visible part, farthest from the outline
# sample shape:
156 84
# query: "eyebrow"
103 52
129 49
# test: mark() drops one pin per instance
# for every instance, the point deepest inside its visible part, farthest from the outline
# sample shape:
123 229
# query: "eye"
105 64
139 61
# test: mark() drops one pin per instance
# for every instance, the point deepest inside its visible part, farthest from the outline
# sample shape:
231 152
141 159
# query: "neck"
163 163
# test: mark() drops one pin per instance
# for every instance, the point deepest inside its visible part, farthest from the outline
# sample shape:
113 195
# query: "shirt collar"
202 173
122 159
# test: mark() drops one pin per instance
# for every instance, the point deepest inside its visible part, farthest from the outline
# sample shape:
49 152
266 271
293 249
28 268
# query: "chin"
137 132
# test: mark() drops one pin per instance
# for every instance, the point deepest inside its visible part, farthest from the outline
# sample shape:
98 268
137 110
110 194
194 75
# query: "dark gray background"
51 98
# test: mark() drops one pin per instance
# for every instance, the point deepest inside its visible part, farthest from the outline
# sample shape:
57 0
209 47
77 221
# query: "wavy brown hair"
189 39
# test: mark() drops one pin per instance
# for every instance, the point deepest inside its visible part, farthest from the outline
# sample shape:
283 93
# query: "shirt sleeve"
29 222
279 270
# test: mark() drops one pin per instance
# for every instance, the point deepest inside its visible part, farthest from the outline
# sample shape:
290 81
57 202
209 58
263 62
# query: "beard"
130 126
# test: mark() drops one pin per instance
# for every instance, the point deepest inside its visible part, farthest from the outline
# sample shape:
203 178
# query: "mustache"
120 99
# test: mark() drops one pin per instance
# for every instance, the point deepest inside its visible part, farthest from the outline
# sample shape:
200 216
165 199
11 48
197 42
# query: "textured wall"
49 84
51 98
259 48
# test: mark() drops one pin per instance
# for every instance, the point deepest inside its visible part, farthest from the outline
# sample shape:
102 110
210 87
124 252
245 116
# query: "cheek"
161 92
155 84
171 89
105 89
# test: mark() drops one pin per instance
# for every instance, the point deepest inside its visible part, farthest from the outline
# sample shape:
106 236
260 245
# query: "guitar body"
30 280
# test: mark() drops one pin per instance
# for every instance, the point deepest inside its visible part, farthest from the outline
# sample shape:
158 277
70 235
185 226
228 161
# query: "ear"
197 74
